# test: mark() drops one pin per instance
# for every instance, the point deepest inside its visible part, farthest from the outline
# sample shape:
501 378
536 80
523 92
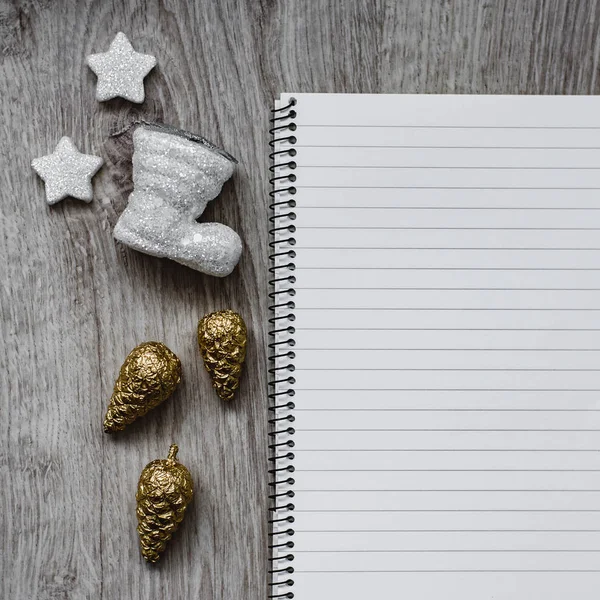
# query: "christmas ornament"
175 175
222 339
121 71
67 172
164 491
147 378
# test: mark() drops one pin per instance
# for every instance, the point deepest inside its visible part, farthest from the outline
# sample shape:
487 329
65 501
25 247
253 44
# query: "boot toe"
214 249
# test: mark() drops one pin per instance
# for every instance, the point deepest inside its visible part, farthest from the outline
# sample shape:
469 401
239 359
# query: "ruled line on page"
570 390
488 249
457 571
441 147
449 289
448 530
451 550
433 430
357 126
404 349
451 410
593 450
444 309
427 369
326 268
438 329
452 491
453 167
386 227
444 207
448 510
446 470
442 187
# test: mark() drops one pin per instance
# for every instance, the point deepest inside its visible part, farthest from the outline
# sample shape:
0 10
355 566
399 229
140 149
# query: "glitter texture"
67 172
175 175
121 71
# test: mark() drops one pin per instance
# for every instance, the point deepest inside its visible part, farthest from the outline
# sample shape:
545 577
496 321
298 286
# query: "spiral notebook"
435 347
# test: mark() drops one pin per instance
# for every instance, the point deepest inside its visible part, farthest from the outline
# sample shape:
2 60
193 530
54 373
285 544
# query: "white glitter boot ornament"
175 175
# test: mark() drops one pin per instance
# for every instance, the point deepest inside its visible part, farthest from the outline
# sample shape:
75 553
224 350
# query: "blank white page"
445 347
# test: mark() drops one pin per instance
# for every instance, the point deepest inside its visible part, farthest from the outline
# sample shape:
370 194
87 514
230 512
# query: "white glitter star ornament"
67 172
121 71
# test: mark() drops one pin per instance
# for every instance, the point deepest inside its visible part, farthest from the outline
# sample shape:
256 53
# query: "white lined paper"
447 346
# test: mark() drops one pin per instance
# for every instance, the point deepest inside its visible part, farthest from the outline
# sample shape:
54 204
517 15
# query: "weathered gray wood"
73 303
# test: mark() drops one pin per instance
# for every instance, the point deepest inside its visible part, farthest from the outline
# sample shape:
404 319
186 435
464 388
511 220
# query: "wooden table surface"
74 302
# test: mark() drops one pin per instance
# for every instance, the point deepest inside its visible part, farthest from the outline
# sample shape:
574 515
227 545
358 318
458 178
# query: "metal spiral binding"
281 355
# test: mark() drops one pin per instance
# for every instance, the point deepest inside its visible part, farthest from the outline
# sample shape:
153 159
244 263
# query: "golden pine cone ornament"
222 338
164 491
148 377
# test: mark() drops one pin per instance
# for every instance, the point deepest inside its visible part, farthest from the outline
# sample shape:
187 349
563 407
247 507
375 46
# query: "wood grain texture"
74 303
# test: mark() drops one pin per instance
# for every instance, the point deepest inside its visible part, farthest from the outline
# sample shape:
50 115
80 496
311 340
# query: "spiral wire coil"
281 354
